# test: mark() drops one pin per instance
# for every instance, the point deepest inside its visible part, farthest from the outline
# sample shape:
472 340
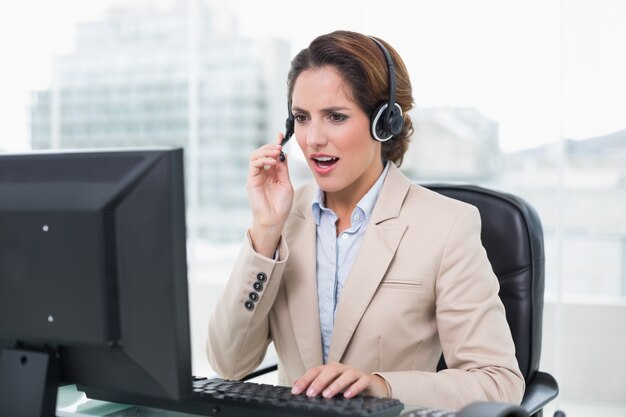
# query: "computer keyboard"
244 399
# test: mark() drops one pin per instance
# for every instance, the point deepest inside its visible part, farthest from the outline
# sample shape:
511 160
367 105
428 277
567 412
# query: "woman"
362 279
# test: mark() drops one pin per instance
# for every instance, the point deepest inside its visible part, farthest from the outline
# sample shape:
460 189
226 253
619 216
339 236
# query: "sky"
543 69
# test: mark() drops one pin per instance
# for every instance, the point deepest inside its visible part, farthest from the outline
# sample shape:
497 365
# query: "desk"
73 403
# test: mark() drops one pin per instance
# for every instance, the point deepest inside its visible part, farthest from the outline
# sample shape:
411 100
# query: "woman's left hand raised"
333 378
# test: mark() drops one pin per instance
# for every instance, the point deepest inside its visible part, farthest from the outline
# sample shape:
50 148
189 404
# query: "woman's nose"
315 134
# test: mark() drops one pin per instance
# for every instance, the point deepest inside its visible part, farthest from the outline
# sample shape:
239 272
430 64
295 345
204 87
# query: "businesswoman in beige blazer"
361 279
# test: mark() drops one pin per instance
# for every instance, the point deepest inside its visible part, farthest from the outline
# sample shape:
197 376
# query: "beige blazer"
421 284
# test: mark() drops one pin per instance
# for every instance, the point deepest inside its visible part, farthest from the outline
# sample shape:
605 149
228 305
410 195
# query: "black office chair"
513 238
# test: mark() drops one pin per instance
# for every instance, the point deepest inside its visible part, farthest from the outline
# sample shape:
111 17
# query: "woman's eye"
337 117
299 118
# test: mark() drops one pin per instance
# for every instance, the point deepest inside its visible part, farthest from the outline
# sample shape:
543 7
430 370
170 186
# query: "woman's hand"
333 378
270 195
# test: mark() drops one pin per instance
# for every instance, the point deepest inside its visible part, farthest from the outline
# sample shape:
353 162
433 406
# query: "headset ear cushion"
377 122
396 121
382 131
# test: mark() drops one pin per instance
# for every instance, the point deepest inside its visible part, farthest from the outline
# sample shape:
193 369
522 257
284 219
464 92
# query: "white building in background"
155 76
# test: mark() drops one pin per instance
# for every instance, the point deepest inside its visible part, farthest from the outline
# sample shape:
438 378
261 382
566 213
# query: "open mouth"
325 162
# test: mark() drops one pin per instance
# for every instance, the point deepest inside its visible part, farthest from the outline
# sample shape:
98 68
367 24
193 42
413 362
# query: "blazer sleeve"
238 336
474 334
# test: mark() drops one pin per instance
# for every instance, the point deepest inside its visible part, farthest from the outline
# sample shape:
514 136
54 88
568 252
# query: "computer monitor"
93 282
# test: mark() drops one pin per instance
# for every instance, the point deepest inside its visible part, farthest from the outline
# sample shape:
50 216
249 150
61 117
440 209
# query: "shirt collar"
366 204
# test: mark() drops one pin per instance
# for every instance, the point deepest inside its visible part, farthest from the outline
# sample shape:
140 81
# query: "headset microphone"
289 128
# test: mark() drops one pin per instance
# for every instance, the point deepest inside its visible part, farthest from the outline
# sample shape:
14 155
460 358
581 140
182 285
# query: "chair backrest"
513 238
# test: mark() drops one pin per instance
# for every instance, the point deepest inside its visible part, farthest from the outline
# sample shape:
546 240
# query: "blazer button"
249 305
261 276
258 286
254 296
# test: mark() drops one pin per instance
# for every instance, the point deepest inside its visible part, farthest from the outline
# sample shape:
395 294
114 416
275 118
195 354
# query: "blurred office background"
524 96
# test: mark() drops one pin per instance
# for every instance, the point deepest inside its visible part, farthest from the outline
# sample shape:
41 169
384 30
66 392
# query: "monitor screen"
93 275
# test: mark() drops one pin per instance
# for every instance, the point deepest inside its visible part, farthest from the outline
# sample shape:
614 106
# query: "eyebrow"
327 110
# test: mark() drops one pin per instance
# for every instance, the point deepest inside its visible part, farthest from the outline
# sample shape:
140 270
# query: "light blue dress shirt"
336 254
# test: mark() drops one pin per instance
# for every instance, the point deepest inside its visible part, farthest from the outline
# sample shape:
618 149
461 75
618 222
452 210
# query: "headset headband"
391 74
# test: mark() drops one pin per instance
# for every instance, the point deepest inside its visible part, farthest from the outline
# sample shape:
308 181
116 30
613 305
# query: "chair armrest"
486 409
540 390
270 364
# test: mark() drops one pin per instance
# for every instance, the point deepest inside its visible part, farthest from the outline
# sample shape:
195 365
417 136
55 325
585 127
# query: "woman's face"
333 133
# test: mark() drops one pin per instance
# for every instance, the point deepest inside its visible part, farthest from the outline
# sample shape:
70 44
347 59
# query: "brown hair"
363 67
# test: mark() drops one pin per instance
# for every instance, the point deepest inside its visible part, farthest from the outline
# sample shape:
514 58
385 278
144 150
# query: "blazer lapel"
301 284
380 242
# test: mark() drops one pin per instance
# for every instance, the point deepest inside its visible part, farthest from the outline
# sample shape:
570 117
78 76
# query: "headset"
386 120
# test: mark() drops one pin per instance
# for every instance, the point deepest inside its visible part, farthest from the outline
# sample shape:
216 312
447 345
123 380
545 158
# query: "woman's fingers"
265 154
301 384
342 382
332 379
360 385
328 375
